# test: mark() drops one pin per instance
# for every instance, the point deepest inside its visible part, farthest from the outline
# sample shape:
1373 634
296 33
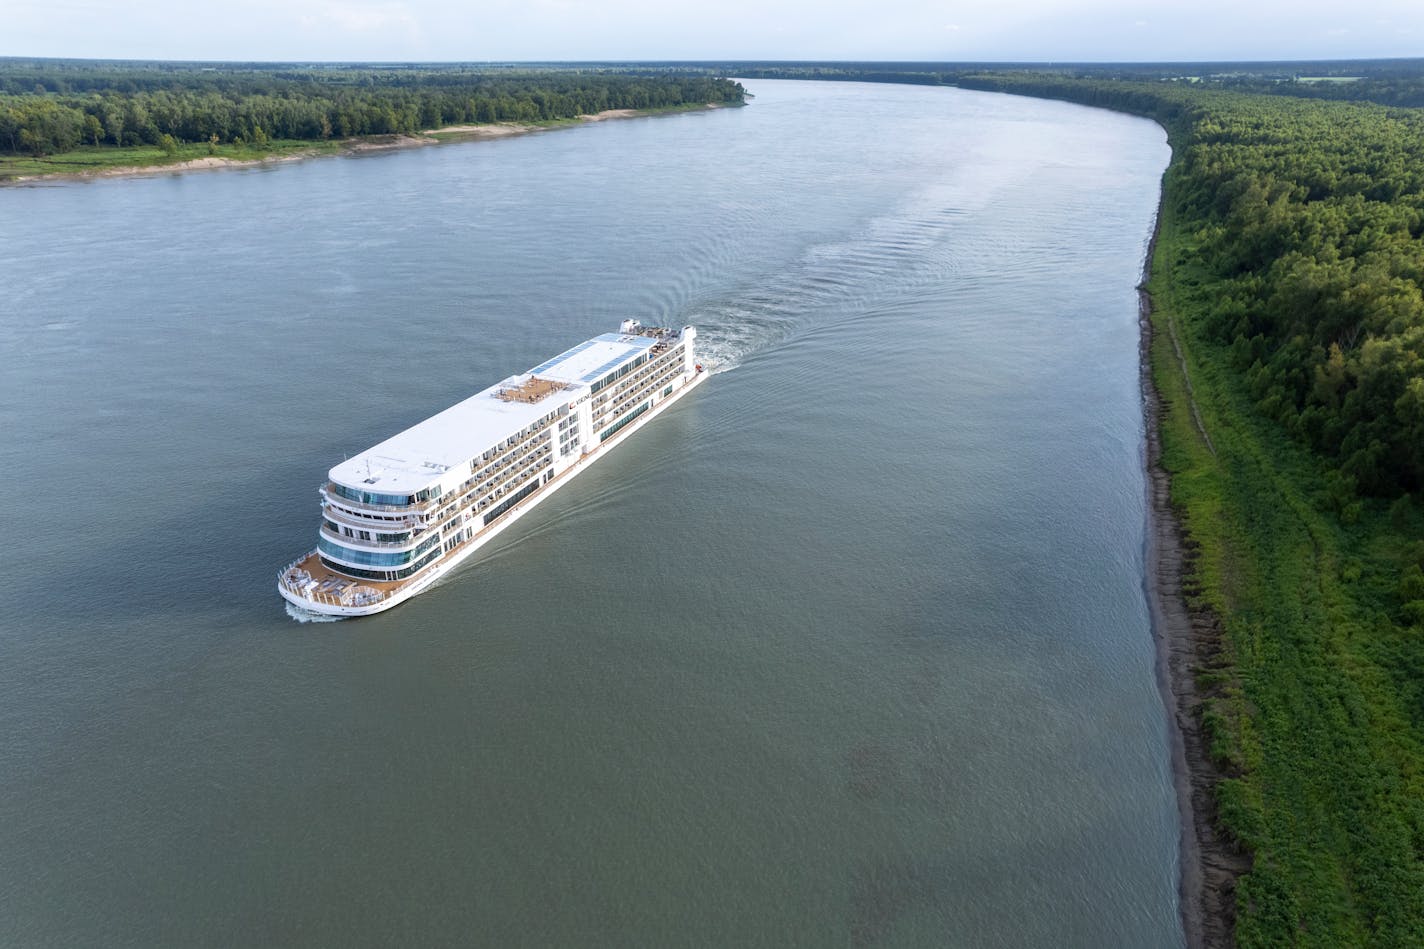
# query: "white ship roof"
420 456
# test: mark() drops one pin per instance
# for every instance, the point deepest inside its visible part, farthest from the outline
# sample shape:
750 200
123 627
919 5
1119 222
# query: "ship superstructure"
400 515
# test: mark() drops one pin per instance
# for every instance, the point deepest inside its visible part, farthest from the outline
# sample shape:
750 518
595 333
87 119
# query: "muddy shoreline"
1187 641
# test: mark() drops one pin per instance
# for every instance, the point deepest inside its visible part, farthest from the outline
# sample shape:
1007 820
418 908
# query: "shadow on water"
884 891
164 565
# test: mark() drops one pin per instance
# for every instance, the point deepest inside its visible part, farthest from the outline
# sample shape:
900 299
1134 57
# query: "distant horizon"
535 31
712 61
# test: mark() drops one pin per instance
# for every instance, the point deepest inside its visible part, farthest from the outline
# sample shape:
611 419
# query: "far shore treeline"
1398 82
49 107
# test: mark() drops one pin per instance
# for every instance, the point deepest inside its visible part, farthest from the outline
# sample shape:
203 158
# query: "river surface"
850 647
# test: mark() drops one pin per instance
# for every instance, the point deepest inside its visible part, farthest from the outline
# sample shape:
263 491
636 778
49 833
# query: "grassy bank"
91 160
1317 707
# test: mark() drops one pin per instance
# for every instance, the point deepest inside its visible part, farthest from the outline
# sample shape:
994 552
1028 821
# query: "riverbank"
1292 676
98 163
1187 641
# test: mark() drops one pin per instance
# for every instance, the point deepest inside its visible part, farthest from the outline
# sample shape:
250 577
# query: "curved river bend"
850 647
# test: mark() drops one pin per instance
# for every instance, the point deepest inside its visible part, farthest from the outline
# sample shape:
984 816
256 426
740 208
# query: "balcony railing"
415 522
329 492
361 542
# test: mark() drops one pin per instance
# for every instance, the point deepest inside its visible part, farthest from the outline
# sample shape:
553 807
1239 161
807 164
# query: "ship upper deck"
419 457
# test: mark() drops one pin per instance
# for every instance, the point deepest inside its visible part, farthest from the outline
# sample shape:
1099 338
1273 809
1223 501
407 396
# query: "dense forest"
1386 81
54 106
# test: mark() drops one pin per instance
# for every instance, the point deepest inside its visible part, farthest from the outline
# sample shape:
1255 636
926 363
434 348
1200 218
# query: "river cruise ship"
399 516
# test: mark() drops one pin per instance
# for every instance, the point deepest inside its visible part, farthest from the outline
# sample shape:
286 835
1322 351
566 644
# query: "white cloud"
364 17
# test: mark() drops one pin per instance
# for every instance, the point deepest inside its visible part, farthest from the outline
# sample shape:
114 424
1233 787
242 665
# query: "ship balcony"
329 492
372 544
414 522
359 557
485 481
628 399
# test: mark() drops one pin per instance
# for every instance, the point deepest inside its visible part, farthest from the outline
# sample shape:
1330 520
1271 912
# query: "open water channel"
848 648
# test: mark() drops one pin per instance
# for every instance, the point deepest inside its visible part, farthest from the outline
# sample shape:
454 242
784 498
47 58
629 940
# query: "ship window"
609 432
370 558
400 574
509 502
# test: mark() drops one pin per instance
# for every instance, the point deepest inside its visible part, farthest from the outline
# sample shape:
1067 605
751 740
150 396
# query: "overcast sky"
479 30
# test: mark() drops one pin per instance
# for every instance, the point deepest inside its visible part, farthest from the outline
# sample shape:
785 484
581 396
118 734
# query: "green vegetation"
88 158
1387 81
1316 718
80 109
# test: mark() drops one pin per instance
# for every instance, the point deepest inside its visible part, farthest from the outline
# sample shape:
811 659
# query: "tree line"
1398 82
50 108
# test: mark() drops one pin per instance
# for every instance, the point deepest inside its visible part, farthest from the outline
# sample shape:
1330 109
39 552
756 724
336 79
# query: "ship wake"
306 616
893 256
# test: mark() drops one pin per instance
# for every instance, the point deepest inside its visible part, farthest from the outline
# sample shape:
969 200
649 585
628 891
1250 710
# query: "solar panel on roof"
544 366
590 376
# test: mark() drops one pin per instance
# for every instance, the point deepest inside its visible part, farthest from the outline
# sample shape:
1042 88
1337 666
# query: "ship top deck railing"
531 390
